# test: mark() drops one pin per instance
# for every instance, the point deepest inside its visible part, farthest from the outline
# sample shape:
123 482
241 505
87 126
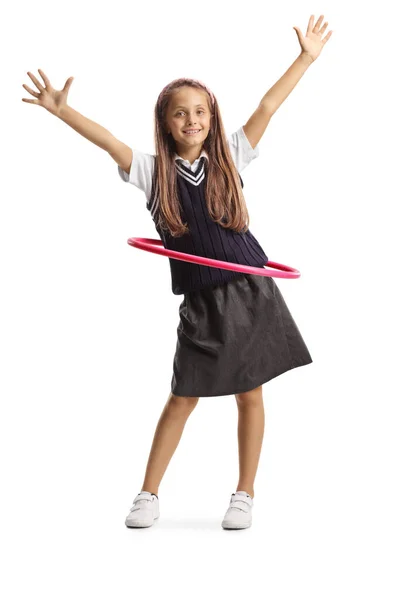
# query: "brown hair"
223 192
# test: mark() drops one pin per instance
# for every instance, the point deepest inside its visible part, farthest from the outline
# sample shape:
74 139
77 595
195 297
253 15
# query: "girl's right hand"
51 99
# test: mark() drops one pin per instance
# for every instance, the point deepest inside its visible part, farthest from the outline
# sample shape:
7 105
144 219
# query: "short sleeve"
141 172
241 149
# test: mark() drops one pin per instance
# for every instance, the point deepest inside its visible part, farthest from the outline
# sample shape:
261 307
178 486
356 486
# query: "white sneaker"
145 510
238 515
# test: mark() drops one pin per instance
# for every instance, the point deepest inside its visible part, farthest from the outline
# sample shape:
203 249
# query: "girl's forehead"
188 96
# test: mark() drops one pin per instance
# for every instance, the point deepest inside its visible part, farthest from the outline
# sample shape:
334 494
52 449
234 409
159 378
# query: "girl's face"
188 109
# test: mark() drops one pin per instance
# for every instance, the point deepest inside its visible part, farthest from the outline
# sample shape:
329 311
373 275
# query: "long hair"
223 192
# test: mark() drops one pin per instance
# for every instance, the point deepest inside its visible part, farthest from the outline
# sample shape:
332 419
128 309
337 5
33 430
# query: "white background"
88 323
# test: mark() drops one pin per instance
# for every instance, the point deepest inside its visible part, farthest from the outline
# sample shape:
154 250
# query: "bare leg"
166 438
251 420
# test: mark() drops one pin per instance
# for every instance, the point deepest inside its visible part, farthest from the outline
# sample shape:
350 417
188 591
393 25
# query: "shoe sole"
138 525
235 526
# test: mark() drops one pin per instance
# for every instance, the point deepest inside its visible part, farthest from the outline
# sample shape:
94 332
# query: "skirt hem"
248 389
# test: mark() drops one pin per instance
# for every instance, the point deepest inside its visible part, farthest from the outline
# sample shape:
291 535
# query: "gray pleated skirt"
234 337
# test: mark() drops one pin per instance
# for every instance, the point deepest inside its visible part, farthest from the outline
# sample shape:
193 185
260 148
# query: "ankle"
153 491
246 489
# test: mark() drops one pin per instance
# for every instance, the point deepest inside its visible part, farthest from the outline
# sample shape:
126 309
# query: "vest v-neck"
194 178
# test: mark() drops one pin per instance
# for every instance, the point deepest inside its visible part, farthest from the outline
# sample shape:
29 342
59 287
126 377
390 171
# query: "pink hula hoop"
157 247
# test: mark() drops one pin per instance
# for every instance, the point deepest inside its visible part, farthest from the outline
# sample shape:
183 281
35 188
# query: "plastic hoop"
157 247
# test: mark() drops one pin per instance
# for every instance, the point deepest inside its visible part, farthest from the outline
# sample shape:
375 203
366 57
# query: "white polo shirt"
142 167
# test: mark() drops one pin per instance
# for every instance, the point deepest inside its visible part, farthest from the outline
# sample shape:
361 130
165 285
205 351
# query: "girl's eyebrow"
180 106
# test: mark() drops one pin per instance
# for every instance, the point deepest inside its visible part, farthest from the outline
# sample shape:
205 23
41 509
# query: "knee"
251 398
183 404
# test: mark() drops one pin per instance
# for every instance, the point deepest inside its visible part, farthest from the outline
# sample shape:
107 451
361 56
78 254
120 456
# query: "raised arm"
55 102
311 46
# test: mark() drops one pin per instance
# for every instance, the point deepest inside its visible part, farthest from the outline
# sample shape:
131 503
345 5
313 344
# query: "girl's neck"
189 153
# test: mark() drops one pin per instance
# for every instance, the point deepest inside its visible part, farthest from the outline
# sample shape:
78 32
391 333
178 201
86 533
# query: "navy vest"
205 237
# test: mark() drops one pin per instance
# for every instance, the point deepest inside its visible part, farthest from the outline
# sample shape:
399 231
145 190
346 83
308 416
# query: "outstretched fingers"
45 78
36 82
317 29
28 89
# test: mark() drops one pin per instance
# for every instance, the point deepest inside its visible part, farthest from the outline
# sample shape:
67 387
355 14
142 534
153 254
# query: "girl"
235 331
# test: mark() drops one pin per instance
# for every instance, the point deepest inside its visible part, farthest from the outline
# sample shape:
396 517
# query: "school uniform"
235 330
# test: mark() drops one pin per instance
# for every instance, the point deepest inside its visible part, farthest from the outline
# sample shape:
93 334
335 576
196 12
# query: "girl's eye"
181 111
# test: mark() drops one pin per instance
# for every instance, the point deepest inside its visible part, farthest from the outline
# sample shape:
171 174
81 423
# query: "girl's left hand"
312 44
